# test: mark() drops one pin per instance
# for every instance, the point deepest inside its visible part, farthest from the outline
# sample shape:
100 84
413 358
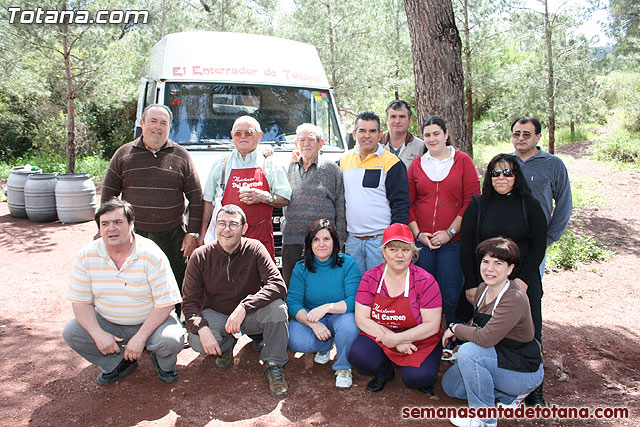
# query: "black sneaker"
535 398
257 342
376 385
124 367
225 360
165 377
428 390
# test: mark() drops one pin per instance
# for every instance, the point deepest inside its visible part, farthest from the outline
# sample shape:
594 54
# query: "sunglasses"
525 135
508 173
239 133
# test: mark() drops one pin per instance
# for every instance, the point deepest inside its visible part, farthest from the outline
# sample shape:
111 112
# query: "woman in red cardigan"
441 183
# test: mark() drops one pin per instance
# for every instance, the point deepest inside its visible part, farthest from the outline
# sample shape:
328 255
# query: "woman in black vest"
506 208
501 358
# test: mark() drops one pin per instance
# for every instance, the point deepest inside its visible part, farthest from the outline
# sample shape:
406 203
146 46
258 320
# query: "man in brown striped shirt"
155 175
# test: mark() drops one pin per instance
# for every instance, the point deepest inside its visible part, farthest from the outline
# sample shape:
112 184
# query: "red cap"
397 231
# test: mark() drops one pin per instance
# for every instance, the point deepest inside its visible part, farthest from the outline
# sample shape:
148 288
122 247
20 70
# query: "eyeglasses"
239 133
311 139
508 173
525 135
233 226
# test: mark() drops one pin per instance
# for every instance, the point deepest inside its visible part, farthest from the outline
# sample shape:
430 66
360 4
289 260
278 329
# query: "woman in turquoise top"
321 300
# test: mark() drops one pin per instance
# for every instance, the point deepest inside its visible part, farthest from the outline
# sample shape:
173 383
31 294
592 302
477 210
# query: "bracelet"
418 235
449 234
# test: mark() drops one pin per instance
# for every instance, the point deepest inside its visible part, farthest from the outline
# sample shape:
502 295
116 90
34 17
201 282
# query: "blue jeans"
367 253
477 378
343 332
444 265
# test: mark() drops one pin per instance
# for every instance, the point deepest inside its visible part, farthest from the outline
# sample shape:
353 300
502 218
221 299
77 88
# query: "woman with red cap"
398 309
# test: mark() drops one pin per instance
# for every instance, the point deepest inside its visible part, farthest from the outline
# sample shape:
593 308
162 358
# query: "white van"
208 79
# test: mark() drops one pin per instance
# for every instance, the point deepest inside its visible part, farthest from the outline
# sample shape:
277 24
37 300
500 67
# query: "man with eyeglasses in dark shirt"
548 180
247 179
233 287
546 175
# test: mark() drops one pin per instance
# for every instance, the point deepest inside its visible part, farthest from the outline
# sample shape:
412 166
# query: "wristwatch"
451 325
196 235
453 231
271 198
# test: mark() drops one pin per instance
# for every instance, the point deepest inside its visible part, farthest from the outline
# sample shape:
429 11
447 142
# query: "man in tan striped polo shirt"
123 294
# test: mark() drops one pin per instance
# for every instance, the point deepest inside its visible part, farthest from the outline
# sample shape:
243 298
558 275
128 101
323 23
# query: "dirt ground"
592 343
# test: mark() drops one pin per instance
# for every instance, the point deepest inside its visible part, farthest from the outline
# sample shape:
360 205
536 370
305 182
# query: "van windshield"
203 113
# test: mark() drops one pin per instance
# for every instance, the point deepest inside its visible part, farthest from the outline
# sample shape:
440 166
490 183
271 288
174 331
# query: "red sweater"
434 205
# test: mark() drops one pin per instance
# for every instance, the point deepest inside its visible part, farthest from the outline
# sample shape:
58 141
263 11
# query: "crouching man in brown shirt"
231 287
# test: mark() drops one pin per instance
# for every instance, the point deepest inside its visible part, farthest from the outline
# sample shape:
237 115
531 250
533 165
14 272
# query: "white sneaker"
467 422
322 358
343 378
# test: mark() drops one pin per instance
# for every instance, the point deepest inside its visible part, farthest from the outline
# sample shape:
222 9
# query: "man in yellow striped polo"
123 294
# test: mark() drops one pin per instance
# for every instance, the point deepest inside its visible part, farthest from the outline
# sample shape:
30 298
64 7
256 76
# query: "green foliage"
96 166
572 250
580 133
619 148
621 89
488 132
5 169
47 162
625 25
49 136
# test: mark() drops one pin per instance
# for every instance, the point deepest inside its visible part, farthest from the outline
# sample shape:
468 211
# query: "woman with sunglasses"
506 208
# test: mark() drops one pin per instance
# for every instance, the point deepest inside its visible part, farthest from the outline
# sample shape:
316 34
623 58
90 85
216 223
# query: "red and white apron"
395 314
259 214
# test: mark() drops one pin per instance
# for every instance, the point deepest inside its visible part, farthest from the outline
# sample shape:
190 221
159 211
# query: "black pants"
170 242
291 254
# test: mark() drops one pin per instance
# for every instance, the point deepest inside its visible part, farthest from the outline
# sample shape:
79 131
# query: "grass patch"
572 250
580 133
586 192
622 147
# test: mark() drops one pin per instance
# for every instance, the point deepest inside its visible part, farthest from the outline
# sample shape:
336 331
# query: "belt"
368 237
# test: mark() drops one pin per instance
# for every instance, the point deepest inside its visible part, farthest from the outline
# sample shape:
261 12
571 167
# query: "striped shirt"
125 296
423 289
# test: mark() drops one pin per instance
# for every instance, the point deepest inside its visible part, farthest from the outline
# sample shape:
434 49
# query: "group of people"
392 201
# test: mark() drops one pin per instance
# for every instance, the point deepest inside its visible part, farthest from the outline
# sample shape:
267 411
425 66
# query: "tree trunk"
468 90
71 109
437 65
550 81
332 46
572 127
